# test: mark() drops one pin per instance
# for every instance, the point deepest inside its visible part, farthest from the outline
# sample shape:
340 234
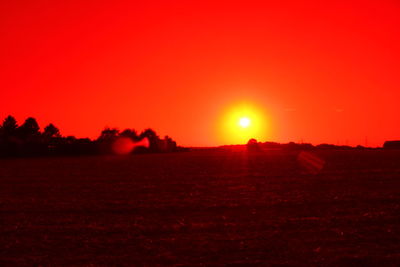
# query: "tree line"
27 139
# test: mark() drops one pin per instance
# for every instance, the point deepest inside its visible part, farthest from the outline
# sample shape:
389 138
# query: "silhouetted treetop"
108 134
51 131
149 133
29 128
131 133
9 126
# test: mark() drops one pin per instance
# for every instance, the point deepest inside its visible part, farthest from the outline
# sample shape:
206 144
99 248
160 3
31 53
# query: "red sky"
322 71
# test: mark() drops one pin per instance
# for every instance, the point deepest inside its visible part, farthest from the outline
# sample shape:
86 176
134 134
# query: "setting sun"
242 122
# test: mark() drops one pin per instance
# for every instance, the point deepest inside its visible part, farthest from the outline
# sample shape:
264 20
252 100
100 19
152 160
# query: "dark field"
201 208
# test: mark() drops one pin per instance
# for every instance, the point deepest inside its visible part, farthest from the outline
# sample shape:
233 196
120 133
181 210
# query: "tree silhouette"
51 131
108 134
9 143
9 126
130 133
29 129
27 140
170 145
106 139
151 135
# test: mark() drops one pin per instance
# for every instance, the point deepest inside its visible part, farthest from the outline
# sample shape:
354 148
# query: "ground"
202 208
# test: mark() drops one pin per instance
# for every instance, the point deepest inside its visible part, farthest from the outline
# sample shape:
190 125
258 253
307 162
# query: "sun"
244 122
241 122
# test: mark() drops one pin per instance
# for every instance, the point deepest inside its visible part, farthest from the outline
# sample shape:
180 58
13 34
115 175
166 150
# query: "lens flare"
311 163
125 145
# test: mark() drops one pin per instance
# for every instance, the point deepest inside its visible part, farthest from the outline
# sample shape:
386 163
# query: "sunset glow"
200 133
327 72
242 122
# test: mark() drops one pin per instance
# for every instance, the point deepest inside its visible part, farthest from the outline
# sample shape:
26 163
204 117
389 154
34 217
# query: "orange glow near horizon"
311 71
242 122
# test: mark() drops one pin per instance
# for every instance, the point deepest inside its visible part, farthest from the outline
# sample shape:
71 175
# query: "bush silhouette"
252 145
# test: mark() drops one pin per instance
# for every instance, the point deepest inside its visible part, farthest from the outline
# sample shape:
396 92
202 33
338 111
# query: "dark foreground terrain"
202 208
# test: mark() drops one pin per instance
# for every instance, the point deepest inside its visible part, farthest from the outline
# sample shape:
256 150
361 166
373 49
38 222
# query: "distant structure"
392 144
